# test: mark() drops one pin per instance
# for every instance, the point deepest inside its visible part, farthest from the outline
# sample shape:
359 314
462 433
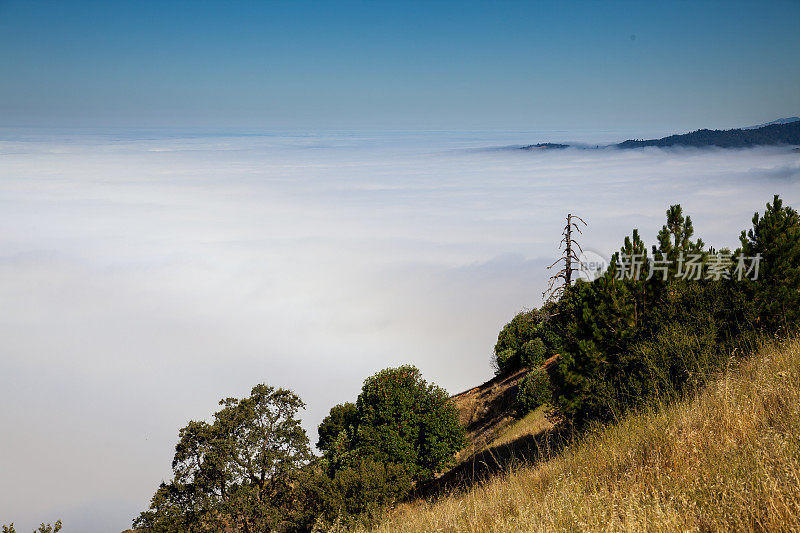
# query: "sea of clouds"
146 275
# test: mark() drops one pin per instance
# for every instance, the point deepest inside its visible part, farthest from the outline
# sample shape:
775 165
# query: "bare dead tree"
563 278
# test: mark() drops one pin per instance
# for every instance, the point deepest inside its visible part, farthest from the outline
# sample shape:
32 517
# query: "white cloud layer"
144 278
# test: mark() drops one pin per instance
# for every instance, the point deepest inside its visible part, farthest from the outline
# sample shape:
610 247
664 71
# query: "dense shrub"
533 353
526 341
353 495
506 360
534 391
362 491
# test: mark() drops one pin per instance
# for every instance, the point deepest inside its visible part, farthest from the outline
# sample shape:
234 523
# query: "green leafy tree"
401 430
601 320
340 418
238 472
527 340
404 420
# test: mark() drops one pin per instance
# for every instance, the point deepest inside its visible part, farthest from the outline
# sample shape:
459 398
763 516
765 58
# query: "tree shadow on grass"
497 460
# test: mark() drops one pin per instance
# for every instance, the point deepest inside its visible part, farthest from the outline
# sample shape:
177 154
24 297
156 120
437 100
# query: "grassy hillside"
727 459
496 439
486 411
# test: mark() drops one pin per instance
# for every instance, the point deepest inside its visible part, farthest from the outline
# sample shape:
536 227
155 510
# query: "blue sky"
416 65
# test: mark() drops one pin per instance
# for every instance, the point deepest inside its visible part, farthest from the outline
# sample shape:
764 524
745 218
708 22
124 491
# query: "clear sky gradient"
410 65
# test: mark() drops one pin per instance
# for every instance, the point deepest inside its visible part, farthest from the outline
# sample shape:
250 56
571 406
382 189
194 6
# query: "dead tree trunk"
563 278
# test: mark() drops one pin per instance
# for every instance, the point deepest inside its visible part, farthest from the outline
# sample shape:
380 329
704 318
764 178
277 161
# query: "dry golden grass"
726 460
533 423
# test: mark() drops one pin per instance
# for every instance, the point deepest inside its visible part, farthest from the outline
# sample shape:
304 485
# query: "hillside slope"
496 438
727 459
486 410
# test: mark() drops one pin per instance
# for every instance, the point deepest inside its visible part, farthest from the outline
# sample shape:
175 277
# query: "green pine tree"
775 236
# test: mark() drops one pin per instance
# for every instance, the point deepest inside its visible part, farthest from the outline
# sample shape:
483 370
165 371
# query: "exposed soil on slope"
488 411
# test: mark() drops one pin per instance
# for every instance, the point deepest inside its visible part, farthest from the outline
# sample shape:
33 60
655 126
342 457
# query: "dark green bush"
506 360
354 495
401 430
534 391
404 420
526 341
341 418
362 491
533 353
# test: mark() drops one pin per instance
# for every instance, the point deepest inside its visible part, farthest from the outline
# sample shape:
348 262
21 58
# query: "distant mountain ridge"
772 134
787 120
783 131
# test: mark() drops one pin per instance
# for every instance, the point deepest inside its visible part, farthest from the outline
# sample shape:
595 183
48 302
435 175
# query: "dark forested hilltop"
773 134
